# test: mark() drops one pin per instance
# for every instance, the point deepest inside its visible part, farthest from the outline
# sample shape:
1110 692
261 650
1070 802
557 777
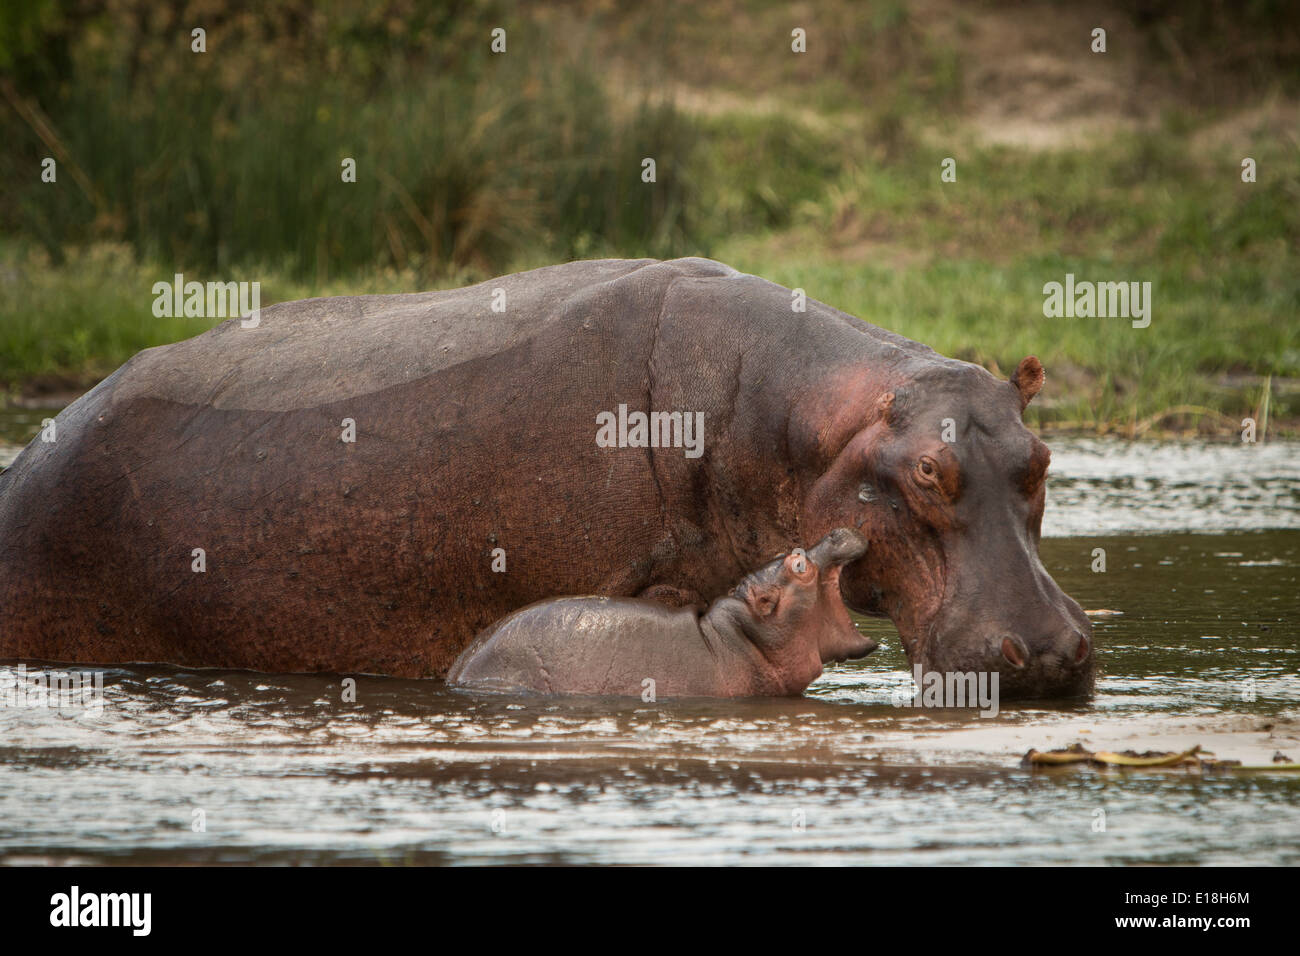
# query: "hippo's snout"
1072 647
1014 651
1047 666
1054 662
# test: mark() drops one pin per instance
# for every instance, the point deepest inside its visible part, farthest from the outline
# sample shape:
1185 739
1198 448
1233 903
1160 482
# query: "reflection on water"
1206 649
1103 486
18 426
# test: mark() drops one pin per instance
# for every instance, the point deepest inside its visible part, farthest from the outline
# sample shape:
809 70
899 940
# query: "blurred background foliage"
232 157
818 170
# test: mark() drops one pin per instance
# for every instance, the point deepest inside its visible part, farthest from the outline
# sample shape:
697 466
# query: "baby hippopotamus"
768 637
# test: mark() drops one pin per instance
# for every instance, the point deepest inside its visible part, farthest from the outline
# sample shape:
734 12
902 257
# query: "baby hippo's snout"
838 548
839 639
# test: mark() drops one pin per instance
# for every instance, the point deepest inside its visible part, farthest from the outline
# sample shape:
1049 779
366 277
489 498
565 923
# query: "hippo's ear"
761 601
1028 379
885 407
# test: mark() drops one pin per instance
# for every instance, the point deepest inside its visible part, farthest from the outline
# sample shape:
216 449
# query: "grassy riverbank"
818 170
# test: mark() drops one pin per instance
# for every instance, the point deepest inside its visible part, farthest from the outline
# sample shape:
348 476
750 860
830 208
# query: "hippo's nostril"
1013 651
1081 652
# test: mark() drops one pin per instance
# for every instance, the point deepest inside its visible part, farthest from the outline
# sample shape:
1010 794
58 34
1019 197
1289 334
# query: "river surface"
1200 645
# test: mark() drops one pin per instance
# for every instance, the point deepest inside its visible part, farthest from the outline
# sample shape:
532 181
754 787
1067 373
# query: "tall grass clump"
465 159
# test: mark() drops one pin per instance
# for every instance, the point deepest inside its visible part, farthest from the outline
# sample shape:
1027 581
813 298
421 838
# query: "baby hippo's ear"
762 601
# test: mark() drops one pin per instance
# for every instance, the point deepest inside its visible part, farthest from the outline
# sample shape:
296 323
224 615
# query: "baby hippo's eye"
799 561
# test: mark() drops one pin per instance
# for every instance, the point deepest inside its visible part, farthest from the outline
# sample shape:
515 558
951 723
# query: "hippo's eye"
928 475
798 561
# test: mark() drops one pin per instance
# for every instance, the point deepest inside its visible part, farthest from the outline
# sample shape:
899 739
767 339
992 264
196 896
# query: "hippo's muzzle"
1068 649
1052 661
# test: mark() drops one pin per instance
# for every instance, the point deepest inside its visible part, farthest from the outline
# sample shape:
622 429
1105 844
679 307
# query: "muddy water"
1202 547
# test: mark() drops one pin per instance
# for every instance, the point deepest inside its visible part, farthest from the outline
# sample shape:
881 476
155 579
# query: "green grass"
65 327
74 323
961 266
820 172
958 266
463 159
1102 373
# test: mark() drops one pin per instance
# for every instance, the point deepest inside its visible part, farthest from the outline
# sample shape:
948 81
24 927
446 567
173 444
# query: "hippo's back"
197 506
318 351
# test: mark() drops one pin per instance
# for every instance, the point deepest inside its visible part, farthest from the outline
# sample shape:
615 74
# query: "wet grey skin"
769 637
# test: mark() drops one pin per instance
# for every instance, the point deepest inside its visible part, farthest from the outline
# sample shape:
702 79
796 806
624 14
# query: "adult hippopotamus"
768 638
203 506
